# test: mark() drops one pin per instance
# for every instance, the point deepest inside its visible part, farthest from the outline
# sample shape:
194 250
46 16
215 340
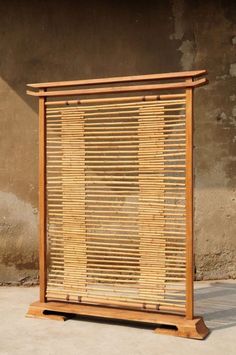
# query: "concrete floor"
20 335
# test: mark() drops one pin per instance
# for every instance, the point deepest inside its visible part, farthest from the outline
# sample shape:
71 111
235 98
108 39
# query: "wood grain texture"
42 202
135 78
168 324
119 89
189 204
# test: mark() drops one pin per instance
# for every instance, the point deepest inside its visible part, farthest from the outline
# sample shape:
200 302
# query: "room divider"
116 200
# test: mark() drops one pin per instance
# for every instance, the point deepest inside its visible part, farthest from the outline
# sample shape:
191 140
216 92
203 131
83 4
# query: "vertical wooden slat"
42 200
189 203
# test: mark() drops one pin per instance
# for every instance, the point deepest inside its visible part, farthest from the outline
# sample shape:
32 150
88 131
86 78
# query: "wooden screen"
116 193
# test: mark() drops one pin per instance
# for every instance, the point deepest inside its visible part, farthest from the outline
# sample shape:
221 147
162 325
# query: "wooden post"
42 200
189 203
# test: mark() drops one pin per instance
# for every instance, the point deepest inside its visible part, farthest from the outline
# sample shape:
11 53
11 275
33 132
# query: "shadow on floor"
217 304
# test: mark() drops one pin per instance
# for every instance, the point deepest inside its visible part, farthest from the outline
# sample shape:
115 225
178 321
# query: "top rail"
121 79
119 89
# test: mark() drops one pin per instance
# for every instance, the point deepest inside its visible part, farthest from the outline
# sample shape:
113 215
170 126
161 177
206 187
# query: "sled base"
166 323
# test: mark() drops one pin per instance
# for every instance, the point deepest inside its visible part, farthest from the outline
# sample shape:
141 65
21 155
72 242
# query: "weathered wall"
62 40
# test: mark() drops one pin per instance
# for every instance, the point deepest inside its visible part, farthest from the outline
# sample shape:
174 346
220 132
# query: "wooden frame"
186 324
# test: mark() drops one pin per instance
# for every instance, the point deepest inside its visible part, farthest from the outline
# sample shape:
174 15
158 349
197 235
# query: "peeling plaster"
18 232
178 12
234 111
232 69
188 54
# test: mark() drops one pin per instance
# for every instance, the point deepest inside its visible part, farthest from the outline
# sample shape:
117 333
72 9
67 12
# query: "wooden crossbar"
134 78
120 89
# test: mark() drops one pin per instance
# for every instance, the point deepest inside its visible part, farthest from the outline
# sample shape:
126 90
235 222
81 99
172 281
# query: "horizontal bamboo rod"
101 182
141 201
71 196
105 214
118 257
52 124
151 117
171 286
71 174
131 146
89 244
129 293
115 133
116 277
129 99
127 105
120 270
161 130
133 240
105 229
175 287
132 154
110 197
115 219
116 291
102 223
107 209
118 139
86 113
103 300
151 304
121 191
142 114
115 280
132 290
160 237
119 266
109 260
117 142
142 105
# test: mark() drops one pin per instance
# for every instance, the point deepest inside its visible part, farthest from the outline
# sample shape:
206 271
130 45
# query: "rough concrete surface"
62 40
216 301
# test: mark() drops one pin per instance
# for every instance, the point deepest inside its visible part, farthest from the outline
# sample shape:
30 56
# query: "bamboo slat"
116 197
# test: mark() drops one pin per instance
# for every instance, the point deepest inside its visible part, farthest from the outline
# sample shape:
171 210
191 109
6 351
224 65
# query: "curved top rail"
120 89
121 79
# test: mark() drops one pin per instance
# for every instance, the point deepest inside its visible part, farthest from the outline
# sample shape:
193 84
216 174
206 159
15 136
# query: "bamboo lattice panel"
116 203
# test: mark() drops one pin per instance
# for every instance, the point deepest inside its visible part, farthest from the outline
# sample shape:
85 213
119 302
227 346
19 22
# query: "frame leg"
36 312
194 329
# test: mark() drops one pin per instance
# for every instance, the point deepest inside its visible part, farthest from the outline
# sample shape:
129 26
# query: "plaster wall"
63 40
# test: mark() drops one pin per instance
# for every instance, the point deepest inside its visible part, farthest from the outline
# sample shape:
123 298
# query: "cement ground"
216 301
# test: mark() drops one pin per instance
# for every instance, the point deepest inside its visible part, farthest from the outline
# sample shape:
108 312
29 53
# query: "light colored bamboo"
127 105
129 99
116 199
79 253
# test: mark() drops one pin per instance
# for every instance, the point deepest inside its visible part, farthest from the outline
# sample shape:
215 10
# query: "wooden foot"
168 324
194 329
38 312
